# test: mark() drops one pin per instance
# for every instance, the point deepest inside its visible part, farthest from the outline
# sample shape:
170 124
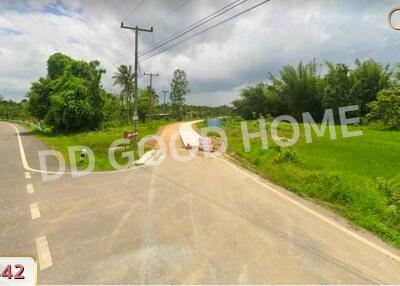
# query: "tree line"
12 110
70 98
374 87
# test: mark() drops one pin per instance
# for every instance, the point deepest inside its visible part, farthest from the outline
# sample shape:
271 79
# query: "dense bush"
70 97
386 109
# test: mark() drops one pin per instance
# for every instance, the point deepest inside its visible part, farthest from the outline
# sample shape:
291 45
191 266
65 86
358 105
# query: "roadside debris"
209 144
205 144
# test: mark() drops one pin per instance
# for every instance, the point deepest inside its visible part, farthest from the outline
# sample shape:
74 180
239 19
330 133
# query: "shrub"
391 189
386 109
289 155
385 186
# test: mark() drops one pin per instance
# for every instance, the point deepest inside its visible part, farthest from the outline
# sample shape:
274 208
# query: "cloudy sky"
218 63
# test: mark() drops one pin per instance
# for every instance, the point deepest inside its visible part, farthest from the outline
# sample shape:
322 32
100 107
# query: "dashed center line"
44 255
35 212
27 175
30 189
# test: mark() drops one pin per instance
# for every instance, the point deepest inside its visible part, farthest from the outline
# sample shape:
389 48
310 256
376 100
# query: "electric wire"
171 13
194 26
205 30
134 9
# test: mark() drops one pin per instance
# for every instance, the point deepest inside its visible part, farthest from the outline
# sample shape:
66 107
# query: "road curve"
204 221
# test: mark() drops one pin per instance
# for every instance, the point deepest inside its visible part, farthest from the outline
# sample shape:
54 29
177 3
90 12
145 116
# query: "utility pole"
135 110
151 91
165 104
151 78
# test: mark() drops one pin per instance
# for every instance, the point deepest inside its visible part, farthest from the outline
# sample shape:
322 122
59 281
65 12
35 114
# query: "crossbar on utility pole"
135 110
151 78
165 105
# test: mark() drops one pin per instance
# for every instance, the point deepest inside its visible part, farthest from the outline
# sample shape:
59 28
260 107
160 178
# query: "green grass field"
356 177
99 142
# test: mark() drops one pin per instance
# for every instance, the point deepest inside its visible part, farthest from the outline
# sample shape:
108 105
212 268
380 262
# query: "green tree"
260 100
386 108
274 104
10 109
56 65
113 108
39 98
152 100
301 89
337 87
41 91
147 101
77 97
124 78
369 77
179 90
253 102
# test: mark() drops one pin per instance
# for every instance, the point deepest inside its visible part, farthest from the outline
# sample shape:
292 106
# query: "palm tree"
124 77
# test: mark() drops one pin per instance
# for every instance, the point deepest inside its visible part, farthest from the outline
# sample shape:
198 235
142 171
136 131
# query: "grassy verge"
99 142
356 177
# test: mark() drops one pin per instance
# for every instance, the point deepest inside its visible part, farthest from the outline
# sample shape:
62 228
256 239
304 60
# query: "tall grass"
99 142
343 174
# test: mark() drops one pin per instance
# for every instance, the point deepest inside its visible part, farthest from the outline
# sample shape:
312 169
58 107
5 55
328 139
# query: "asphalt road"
205 221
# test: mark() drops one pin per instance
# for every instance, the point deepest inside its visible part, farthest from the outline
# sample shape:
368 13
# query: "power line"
141 70
205 30
171 13
194 26
151 75
134 9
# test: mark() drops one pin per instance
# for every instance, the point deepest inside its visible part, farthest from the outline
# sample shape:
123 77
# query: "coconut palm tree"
124 78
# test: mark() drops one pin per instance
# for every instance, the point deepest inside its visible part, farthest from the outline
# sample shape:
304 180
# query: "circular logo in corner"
394 13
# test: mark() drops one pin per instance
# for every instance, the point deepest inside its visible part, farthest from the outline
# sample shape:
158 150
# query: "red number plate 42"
18 271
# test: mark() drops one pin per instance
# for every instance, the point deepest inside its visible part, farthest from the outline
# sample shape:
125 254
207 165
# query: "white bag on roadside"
205 144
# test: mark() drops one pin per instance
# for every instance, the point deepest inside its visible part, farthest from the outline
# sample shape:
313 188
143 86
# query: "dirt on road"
166 132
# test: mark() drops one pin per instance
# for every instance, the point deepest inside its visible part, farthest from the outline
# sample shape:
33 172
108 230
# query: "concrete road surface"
204 221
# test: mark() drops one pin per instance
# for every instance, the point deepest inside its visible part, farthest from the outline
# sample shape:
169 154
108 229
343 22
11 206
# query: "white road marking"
318 215
30 189
44 255
35 212
21 149
27 175
26 166
309 210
